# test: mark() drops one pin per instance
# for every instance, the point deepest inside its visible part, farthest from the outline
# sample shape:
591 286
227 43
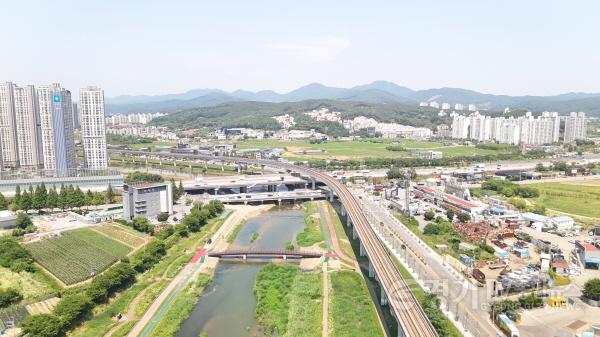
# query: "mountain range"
378 92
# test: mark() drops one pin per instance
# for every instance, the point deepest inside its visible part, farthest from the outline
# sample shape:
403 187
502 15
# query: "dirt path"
326 211
129 315
325 324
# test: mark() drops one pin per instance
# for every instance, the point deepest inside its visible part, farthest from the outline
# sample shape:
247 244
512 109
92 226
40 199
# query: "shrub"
9 296
429 215
42 325
591 289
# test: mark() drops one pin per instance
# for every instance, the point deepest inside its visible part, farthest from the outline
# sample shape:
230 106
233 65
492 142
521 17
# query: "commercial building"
575 127
93 132
56 114
147 200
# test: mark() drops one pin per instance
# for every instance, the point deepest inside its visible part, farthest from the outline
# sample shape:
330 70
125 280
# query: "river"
227 306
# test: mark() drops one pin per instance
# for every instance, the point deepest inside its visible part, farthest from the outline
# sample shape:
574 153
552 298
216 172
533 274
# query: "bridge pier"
371 270
331 197
239 169
384 298
278 202
216 191
400 331
348 221
313 184
354 234
362 251
244 257
284 257
343 211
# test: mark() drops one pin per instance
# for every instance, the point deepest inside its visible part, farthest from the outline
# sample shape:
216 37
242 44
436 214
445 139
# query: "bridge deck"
267 252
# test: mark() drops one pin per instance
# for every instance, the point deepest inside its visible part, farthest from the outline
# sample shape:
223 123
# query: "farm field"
121 234
303 150
571 198
77 255
31 285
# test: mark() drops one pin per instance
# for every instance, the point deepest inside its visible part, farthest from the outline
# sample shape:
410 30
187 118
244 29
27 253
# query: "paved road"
470 300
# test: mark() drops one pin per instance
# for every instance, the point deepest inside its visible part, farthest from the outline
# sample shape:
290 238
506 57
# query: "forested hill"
258 114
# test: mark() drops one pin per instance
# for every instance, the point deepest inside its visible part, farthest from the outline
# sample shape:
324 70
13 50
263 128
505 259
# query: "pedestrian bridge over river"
272 253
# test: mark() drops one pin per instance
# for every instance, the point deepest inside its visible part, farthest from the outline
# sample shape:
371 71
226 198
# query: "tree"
42 325
431 229
78 198
17 197
142 224
9 296
181 189
192 222
23 221
394 173
110 195
3 203
162 216
89 198
464 217
25 201
73 308
63 197
52 198
450 214
518 203
591 289
429 215
39 197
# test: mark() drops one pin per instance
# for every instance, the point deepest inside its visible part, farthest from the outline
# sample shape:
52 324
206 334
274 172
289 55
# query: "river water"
226 309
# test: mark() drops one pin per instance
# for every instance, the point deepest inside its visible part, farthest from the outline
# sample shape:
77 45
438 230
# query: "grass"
181 307
234 233
33 286
77 255
312 232
304 150
272 286
136 147
305 315
150 294
574 199
352 313
343 240
253 236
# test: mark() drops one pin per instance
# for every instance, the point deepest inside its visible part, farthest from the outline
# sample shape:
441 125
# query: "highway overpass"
412 321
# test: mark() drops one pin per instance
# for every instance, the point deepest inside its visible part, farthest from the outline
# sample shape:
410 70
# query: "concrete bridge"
266 253
278 197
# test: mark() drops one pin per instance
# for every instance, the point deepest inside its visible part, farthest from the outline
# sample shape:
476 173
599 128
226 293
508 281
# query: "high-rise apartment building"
56 116
575 127
523 130
76 122
8 127
93 132
27 117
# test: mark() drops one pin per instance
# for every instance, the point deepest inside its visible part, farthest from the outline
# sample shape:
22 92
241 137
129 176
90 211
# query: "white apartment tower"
575 127
9 155
93 132
56 125
27 116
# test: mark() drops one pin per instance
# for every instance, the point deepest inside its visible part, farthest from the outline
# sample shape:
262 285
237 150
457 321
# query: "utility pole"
407 194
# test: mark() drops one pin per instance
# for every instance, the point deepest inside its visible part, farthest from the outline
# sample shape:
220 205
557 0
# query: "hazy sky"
156 47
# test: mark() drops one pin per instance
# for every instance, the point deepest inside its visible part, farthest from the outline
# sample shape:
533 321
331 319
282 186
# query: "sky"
152 47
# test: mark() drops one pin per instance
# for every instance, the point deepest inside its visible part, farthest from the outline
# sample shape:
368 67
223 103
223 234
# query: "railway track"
410 316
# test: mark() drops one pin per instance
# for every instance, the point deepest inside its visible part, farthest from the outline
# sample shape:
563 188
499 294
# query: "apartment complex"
93 132
575 126
527 130
37 129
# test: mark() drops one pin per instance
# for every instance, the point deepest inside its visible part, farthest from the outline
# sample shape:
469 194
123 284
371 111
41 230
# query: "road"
404 306
470 301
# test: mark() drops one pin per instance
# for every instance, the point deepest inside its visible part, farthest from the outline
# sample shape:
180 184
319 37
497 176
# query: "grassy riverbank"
289 301
352 312
312 232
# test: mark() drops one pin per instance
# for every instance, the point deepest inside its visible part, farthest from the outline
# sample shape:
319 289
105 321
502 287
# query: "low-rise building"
147 200
8 219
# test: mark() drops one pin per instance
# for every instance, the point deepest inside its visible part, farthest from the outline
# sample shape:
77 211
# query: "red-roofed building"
589 254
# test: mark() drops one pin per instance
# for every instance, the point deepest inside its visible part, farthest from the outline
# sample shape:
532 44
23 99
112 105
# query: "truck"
480 166
595 231
478 275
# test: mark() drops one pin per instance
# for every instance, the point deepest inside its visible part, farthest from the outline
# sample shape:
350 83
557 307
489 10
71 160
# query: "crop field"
571 198
77 255
30 285
121 234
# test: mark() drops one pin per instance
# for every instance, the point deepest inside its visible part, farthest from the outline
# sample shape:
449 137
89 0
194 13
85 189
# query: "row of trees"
69 197
510 189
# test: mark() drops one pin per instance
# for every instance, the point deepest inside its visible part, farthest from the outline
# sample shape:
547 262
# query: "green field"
304 150
77 255
153 144
305 316
30 285
312 232
352 312
575 199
